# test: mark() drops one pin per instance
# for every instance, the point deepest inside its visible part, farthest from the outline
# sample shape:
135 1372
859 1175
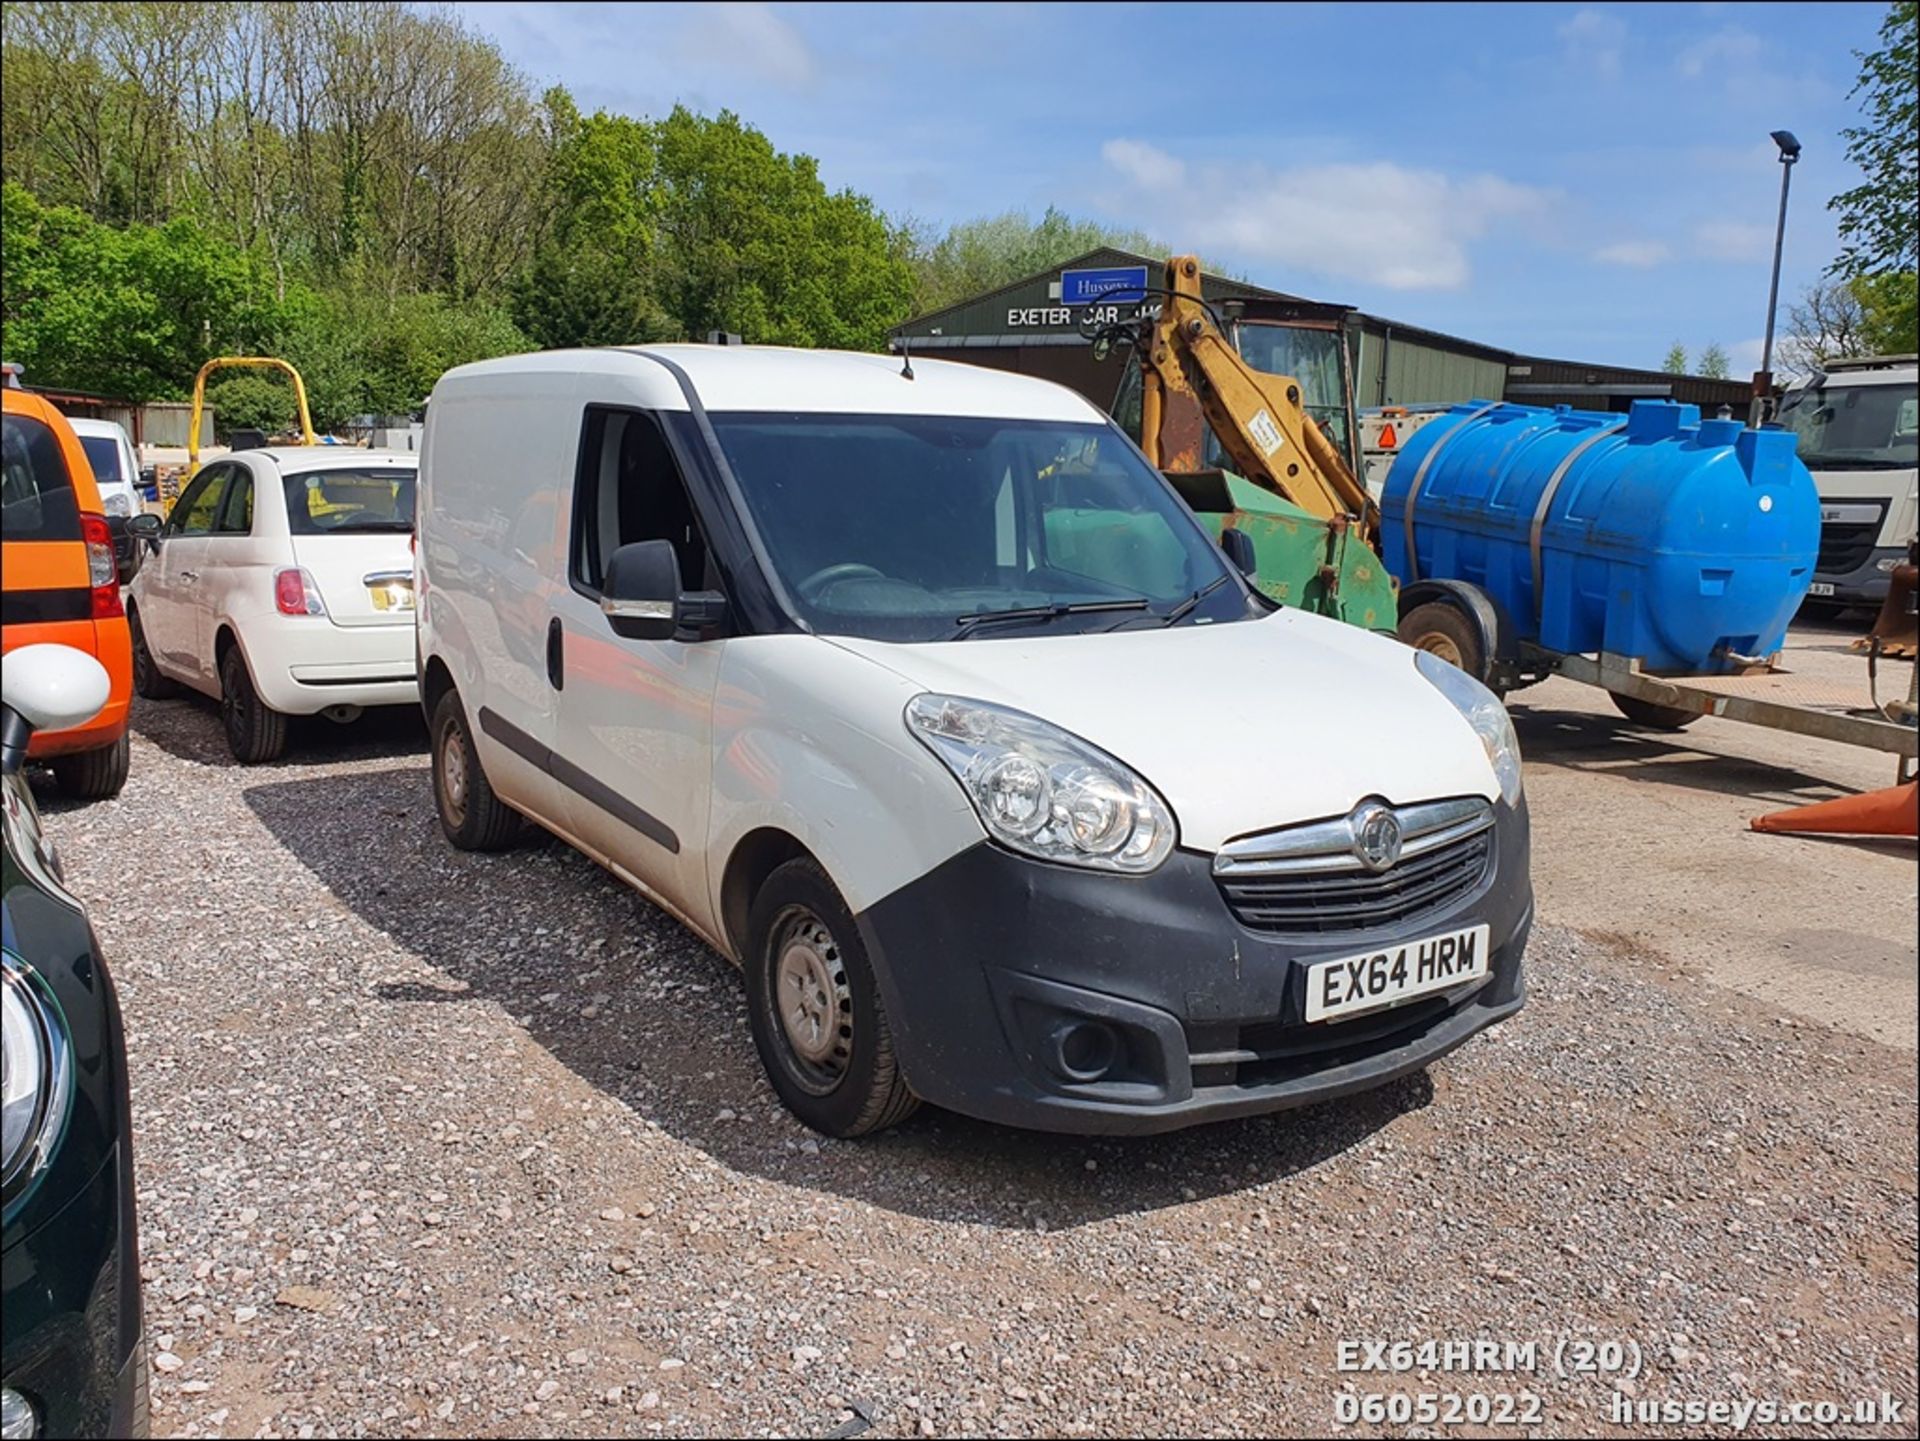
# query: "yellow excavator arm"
1258 418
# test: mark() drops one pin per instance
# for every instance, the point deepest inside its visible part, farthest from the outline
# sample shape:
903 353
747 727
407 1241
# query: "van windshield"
915 528
1855 427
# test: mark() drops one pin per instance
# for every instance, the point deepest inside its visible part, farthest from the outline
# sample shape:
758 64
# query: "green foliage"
128 312
1676 361
1889 312
1879 224
980 255
1714 362
252 400
688 225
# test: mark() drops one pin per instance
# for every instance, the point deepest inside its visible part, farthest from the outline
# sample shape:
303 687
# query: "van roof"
779 378
86 425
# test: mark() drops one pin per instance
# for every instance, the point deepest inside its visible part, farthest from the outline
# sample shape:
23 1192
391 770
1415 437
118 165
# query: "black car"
72 1359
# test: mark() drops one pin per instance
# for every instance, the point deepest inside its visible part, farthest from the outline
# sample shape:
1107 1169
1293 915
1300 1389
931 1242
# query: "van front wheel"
474 818
816 1013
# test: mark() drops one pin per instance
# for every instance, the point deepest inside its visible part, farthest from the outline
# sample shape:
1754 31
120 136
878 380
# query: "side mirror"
145 526
1239 548
642 600
46 687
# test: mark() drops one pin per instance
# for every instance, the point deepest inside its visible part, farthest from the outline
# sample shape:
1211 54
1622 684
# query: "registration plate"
1819 587
392 595
1376 979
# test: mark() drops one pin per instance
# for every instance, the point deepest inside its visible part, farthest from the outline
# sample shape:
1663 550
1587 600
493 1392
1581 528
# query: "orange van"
58 583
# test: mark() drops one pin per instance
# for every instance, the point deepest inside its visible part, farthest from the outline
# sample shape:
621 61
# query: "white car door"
170 582
634 718
237 567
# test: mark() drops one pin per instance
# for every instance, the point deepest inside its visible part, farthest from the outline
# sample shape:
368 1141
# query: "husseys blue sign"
1086 287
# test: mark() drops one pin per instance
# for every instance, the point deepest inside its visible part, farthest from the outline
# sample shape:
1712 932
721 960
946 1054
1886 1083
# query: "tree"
1889 312
1676 361
1879 229
975 256
128 311
1826 322
1714 362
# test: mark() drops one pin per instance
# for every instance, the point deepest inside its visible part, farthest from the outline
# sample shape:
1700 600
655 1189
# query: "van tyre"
474 818
1654 716
1442 628
255 731
94 775
815 1011
148 682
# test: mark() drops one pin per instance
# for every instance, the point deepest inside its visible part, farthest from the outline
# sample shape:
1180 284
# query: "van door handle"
556 654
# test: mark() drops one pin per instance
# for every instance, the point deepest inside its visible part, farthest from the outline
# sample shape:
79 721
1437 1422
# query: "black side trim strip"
26 607
359 680
582 783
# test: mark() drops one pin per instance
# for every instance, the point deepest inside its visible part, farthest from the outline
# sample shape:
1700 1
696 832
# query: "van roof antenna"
906 358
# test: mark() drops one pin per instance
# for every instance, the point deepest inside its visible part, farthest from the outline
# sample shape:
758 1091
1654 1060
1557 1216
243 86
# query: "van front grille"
1307 880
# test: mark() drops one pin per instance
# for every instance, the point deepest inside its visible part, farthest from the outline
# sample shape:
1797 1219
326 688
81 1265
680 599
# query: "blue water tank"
1654 535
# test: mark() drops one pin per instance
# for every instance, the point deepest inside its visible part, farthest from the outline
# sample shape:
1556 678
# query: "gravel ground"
440 1144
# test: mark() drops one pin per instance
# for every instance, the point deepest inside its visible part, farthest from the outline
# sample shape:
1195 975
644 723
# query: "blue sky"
1585 181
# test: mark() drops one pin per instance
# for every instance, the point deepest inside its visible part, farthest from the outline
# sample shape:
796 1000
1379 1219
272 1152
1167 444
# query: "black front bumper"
987 962
70 1299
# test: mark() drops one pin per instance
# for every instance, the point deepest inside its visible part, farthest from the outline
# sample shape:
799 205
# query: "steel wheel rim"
811 1000
453 775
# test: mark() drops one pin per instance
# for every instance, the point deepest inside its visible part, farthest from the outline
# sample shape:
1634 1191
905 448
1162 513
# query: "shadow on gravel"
545 933
189 728
1616 745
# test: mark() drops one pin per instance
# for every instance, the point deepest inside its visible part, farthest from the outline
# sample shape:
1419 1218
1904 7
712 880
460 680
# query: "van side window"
629 489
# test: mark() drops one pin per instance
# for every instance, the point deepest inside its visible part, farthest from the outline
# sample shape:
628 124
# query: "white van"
918 693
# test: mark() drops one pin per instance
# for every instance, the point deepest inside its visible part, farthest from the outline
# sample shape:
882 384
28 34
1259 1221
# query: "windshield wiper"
1186 607
967 623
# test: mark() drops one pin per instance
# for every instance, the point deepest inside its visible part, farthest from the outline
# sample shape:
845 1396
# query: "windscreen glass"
103 454
341 501
899 527
1860 427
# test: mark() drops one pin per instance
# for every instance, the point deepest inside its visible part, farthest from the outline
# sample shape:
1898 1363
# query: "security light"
1789 147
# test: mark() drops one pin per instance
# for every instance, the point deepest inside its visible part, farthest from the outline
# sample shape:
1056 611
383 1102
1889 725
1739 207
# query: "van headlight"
35 1077
1484 712
1042 791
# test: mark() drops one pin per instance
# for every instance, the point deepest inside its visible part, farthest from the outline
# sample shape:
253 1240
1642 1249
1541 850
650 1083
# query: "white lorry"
1859 428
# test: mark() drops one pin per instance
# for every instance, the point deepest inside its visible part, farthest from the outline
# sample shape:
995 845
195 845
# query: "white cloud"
1732 47
1640 254
1379 222
1596 38
752 37
1743 356
1733 240
1145 165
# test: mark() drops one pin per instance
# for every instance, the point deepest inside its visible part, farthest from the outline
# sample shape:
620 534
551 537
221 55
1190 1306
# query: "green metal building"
1033 326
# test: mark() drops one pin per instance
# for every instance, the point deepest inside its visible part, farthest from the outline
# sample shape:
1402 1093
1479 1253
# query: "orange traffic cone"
1894 811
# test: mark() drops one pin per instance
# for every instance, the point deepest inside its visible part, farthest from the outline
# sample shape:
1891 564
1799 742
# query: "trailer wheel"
1654 716
1440 628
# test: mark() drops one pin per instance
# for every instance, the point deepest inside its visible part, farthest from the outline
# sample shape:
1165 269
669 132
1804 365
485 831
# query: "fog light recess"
1082 1051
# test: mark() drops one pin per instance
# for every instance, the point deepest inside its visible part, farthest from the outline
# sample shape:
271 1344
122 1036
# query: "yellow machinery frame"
228 362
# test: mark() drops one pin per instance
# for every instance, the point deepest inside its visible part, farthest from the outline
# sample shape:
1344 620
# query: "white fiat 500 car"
281 583
923 698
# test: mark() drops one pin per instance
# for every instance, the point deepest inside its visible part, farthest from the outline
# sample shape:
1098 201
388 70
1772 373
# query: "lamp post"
1763 378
